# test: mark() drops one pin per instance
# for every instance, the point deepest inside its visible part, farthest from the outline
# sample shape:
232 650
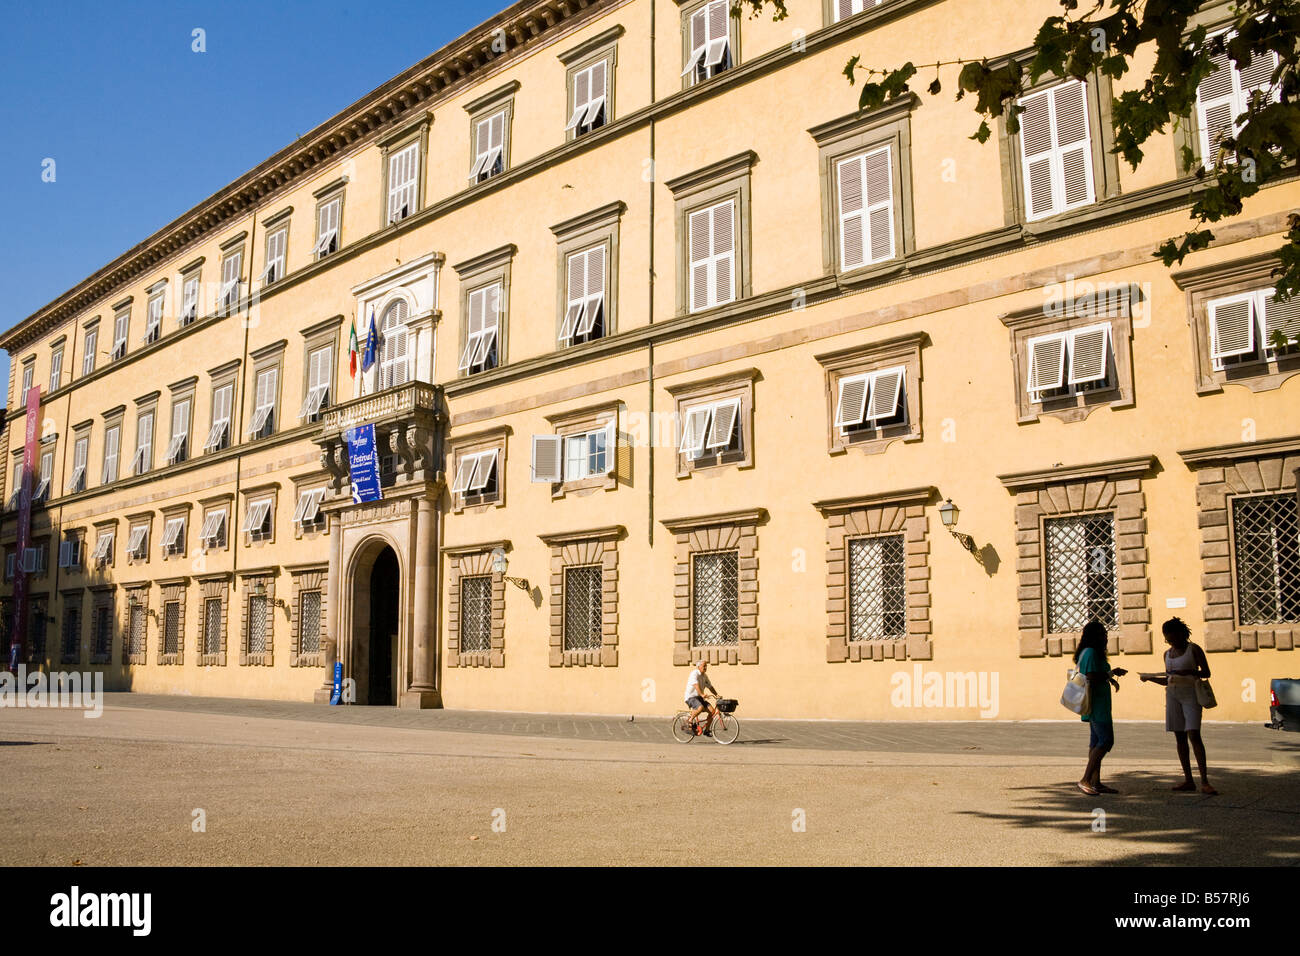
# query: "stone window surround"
1098 95
192 270
1212 282
181 510
213 586
586 419
726 179
735 530
264 359
898 512
1115 306
180 392
248 580
484 270
311 482
395 141
736 384
321 335
471 444
220 502
1222 473
595 228
603 46
464 561
904 350
269 489
173 591
135 592
852 135
106 526
581 548
134 521
1110 486
688 9
70 599
103 595
307 578
270 226
230 248
78 536
495 101
336 189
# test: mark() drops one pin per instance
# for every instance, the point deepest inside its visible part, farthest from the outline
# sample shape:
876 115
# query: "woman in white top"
1185 664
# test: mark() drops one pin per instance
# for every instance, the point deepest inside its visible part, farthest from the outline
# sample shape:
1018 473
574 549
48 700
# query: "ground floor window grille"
257 621
71 636
212 626
583 607
135 640
1266 536
877 588
1081 576
714 599
172 627
309 623
476 613
103 627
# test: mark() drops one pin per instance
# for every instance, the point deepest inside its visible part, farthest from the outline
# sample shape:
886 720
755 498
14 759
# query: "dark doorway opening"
383 627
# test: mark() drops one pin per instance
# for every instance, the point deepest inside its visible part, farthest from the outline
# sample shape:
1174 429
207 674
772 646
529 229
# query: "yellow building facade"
679 357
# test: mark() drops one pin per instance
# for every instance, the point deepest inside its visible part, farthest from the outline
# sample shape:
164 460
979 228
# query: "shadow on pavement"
24 743
1252 822
764 740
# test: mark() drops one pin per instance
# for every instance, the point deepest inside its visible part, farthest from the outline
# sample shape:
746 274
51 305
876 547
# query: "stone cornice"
720 171
1201 457
1120 468
456 550
613 532
1221 273
856 122
684 525
908 496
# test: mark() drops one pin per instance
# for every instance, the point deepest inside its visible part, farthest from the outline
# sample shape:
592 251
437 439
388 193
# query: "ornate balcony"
408 422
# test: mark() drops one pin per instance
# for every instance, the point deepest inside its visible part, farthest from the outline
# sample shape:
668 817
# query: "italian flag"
352 350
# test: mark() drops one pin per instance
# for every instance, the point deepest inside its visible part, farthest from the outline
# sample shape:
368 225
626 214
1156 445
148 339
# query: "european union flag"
372 345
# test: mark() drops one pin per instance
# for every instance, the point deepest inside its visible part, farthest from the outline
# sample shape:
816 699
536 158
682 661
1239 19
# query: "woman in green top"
1090 655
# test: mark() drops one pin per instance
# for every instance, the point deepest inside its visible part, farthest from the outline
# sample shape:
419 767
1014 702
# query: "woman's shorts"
1182 710
1101 734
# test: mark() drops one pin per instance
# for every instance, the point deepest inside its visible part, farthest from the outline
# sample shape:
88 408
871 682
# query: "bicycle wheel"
725 729
683 732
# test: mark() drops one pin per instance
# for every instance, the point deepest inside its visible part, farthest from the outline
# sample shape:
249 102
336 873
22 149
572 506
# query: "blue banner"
363 463
337 694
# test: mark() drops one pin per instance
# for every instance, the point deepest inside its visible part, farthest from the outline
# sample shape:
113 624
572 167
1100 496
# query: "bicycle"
724 729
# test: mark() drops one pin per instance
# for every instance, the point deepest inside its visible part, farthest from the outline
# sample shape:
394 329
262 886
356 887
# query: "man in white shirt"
696 686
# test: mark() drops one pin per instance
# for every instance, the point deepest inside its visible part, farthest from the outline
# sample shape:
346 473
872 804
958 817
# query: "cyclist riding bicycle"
696 687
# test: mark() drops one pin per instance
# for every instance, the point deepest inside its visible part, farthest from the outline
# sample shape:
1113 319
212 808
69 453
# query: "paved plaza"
286 783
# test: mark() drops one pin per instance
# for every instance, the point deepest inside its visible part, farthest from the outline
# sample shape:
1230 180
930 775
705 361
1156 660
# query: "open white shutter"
851 405
464 472
724 253
546 458
576 295
1073 146
581 99
1089 354
1232 326
694 430
1281 317
486 465
886 386
611 446
852 227
725 415
880 203
595 289
1046 363
699 40
1036 154
700 244
718 12
1215 108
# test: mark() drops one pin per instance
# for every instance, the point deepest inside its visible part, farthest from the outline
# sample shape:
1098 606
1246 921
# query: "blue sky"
141 128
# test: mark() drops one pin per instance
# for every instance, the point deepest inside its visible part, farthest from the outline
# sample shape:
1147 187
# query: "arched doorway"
376 609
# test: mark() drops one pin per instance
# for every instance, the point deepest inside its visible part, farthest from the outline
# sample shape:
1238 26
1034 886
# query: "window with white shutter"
80 455
121 323
56 369
173 541
547 465
263 423
708 41
590 99
104 549
257 520
590 453
137 545
91 343
712 256
329 217
29 376
871 400
153 318
394 365
143 460
481 328
189 300
319 366
1224 96
476 479
230 270
584 316
277 244
213 533
711 432
1252 327
178 449
112 439
1066 363
1056 150
402 181
307 515
866 208
843 9
222 403
489 147
45 475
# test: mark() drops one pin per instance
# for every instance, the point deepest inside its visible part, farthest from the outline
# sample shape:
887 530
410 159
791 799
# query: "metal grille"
1266 532
583 608
103 636
877 588
476 613
257 624
135 641
1081 581
309 623
212 626
172 627
71 635
714 603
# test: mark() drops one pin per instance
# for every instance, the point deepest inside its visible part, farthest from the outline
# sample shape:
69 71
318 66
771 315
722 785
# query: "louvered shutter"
1089 354
843 9
473 328
851 406
699 40
1215 107
725 415
724 253
886 386
486 465
611 446
464 472
491 324
694 430
1232 327
852 245
1281 317
598 94
718 35
701 242
880 203
546 458
581 99
595 289
1073 145
1046 363
576 295
1036 153
393 364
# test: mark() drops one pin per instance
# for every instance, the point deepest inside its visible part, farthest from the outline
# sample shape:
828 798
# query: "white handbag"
1077 696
